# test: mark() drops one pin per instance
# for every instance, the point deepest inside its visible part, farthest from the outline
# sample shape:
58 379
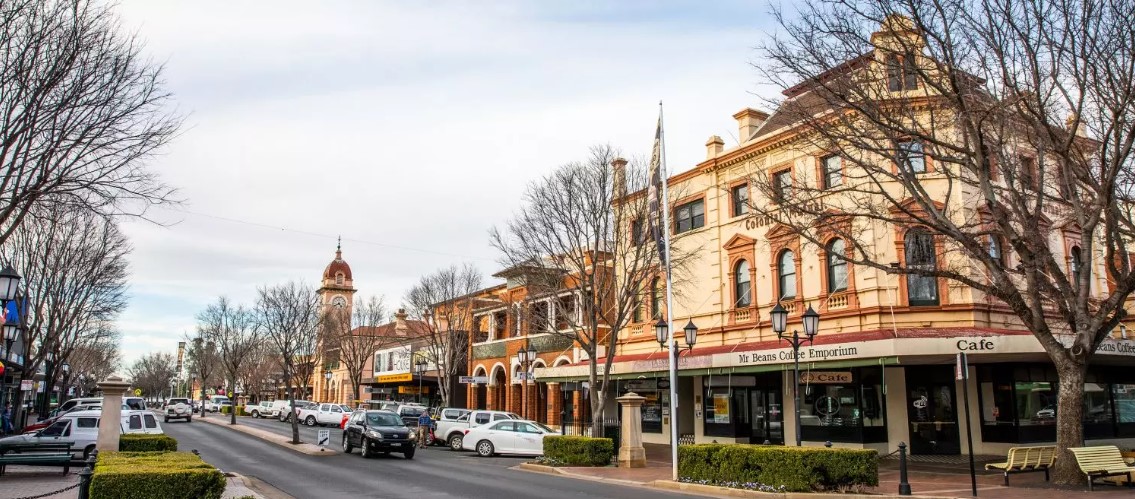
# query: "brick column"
490 397
514 398
555 403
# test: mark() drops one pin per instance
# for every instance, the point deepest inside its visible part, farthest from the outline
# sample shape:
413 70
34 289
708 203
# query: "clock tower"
337 288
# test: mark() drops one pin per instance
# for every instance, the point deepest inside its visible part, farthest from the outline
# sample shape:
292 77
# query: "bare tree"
443 302
258 371
74 270
153 373
96 358
202 361
233 330
81 110
354 337
987 126
579 242
288 315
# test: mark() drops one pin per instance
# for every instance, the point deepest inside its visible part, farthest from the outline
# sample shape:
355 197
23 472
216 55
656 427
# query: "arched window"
837 266
1077 264
338 278
742 290
655 300
786 274
919 248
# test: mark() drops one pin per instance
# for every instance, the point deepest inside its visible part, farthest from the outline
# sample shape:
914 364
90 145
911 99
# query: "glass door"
932 412
767 417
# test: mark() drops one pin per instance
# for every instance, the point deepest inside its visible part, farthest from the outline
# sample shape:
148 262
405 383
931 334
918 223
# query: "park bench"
39 454
1025 460
1102 462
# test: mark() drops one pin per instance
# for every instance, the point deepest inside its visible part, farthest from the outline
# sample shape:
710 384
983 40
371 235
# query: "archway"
540 397
480 398
499 383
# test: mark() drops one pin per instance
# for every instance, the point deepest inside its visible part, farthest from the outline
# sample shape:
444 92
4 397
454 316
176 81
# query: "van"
81 429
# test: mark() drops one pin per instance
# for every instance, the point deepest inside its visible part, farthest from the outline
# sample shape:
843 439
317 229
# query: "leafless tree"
288 316
202 362
989 125
579 243
96 358
259 370
81 110
233 330
74 269
442 301
153 373
352 336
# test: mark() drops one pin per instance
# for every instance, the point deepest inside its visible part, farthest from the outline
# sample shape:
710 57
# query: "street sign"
480 380
137 392
25 385
324 437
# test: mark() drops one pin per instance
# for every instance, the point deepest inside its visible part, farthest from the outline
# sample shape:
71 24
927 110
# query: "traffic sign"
138 392
324 437
480 380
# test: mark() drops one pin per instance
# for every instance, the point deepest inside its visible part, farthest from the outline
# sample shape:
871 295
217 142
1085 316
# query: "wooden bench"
1025 460
37 455
1101 462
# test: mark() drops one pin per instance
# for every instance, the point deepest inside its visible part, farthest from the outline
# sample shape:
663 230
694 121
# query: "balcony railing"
837 301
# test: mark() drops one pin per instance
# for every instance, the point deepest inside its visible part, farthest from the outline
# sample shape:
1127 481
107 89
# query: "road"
433 473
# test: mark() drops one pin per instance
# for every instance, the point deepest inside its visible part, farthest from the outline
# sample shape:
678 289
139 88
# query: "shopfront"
844 405
746 408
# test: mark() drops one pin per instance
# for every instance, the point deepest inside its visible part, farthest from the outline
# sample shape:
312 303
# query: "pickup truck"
261 410
452 432
323 414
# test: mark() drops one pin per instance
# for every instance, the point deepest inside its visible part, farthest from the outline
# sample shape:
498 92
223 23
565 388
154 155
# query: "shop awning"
880 361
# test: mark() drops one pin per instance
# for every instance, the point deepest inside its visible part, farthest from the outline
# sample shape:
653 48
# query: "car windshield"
413 411
178 401
380 419
542 427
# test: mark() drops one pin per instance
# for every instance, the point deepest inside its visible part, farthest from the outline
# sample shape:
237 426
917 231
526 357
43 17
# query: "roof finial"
339 249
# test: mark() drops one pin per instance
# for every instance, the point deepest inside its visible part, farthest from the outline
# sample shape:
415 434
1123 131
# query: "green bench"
1102 462
1025 460
37 455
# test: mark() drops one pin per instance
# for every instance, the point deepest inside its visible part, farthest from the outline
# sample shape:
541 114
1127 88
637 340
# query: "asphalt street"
433 473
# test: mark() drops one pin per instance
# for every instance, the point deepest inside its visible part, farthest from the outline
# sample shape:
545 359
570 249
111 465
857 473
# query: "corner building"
882 367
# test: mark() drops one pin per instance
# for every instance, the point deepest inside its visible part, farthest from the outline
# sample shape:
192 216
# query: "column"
631 452
491 397
555 404
110 423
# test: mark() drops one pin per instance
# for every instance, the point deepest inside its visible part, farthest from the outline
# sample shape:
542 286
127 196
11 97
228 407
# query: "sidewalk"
926 479
309 449
19 482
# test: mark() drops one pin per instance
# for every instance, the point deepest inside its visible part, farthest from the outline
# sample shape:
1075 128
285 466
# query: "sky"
409 129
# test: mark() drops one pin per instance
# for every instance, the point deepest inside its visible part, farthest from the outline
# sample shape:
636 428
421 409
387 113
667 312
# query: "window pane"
833 171
740 200
837 266
919 248
1124 401
743 291
698 209
1097 407
135 422
913 156
787 269
782 184
1036 403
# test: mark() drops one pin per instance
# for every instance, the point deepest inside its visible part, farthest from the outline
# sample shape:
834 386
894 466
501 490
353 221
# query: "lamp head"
691 333
9 283
661 331
532 353
811 322
779 318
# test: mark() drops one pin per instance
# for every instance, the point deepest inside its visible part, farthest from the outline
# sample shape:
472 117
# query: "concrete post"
631 452
110 423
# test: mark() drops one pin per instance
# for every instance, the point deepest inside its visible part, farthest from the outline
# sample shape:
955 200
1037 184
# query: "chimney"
400 327
748 121
619 167
1075 125
713 147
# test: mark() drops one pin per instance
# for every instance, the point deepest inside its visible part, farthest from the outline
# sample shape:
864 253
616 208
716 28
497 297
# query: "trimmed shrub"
155 475
226 409
791 469
143 442
578 451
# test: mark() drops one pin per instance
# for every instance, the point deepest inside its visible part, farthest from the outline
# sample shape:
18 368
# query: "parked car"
453 432
135 403
507 437
281 408
447 415
260 410
378 431
322 414
179 408
216 402
81 428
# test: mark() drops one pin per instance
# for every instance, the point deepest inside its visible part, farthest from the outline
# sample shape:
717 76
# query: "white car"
179 408
323 414
452 431
216 402
507 437
81 429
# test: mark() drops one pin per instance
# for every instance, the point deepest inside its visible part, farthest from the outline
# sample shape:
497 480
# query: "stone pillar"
631 452
110 422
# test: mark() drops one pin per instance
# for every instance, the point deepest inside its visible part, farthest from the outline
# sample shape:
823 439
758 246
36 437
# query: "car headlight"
374 434
413 436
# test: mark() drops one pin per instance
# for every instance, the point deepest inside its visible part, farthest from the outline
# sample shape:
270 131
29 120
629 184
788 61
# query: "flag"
654 192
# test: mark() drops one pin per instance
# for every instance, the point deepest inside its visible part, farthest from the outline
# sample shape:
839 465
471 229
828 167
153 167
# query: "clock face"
339 302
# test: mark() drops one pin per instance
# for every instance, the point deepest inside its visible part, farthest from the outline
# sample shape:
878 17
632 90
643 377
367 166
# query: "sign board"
25 385
394 378
412 390
825 377
961 370
522 376
635 385
324 437
479 380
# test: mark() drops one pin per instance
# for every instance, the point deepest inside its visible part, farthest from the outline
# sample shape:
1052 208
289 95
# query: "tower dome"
338 270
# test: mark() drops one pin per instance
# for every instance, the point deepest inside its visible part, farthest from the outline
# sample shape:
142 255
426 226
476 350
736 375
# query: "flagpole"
672 341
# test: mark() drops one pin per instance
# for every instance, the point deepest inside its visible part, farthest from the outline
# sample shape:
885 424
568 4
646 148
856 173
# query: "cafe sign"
825 377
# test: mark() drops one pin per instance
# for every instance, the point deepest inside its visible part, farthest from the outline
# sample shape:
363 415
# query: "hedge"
225 409
155 475
144 442
790 469
578 451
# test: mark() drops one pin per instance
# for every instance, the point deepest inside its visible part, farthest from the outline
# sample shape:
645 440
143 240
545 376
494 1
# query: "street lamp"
662 334
9 288
327 385
526 357
66 369
9 284
811 322
421 368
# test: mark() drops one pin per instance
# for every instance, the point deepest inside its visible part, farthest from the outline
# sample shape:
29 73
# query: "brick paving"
30 481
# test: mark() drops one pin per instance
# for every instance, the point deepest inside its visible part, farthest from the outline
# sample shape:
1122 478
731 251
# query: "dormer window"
339 278
901 74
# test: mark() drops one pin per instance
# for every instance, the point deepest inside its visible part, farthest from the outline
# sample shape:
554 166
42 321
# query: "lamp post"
48 367
9 287
811 322
327 386
420 366
526 358
662 334
66 369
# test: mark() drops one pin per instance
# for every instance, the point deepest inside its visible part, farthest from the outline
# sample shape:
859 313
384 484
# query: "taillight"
466 432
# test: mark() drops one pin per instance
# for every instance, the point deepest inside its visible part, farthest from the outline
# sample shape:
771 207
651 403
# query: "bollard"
904 485
828 444
85 476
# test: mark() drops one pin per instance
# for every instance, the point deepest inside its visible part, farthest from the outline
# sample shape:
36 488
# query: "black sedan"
378 431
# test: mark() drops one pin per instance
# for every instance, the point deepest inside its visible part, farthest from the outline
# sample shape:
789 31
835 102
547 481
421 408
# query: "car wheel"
347 448
87 452
485 448
256 414
310 421
167 420
455 441
364 449
409 454
189 419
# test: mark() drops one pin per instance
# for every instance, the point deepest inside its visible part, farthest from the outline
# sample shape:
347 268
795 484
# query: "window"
636 307
833 171
339 279
1028 172
505 426
499 417
135 422
786 274
151 423
919 248
482 418
689 216
912 156
638 235
740 196
901 74
87 422
782 185
1077 264
742 291
655 299
57 429
837 266
995 250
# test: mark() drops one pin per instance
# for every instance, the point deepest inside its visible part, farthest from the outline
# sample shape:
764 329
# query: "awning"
881 361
